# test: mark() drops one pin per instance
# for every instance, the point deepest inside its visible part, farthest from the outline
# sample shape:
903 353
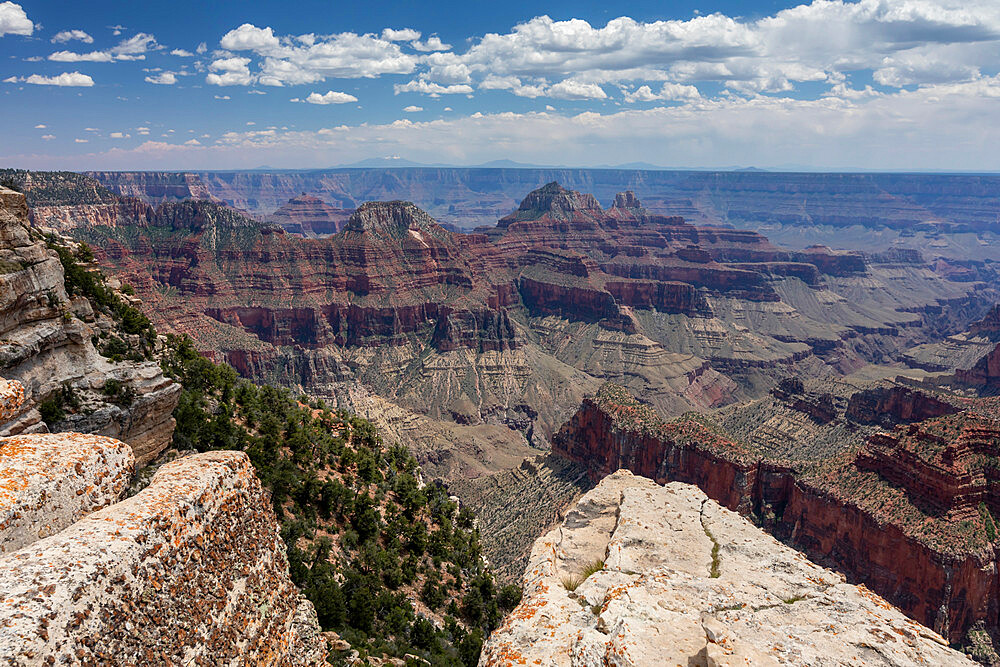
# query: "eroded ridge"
189 571
658 598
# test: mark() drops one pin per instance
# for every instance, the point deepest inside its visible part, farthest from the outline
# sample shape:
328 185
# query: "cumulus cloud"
13 20
904 42
330 97
430 88
412 109
404 35
311 59
80 141
229 72
163 79
67 79
576 90
430 44
669 91
119 135
71 57
72 35
182 53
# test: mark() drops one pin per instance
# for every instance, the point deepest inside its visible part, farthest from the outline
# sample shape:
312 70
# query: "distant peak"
556 201
388 218
626 200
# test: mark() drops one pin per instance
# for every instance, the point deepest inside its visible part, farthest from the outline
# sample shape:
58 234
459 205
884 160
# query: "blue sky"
874 84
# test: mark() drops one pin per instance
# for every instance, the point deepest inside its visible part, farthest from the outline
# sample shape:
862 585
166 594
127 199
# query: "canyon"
496 336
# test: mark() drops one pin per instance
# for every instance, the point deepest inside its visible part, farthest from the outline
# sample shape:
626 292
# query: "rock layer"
676 579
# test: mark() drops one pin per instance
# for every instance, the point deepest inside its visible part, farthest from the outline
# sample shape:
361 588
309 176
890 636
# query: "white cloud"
430 44
669 91
330 97
142 130
163 79
182 53
412 109
64 79
13 20
136 45
48 137
202 48
119 135
80 141
295 60
576 90
41 126
71 35
71 57
249 37
429 88
222 97
192 142
229 72
404 35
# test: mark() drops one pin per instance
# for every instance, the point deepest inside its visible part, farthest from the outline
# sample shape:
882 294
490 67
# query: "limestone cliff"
191 570
47 343
642 574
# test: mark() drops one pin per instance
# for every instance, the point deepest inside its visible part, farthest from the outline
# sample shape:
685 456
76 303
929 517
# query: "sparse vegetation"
572 581
391 565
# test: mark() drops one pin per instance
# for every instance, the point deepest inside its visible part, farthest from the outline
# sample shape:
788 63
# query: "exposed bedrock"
906 521
190 570
642 574
46 343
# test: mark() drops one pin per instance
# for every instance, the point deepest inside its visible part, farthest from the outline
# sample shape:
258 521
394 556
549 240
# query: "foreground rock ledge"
684 581
190 571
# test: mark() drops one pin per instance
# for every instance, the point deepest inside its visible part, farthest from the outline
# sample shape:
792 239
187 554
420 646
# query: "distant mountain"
381 162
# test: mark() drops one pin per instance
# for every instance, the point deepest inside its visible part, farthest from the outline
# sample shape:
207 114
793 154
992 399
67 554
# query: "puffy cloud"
429 88
249 37
13 20
163 79
229 72
71 57
669 91
80 141
182 53
120 135
192 142
576 90
412 109
404 35
48 137
330 97
71 35
65 79
430 44
310 59
41 126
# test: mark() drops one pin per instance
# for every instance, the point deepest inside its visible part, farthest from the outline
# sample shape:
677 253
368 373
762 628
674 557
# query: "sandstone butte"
46 342
644 574
191 570
908 511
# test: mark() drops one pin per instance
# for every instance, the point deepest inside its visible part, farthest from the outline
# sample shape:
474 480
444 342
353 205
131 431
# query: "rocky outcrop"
192 569
908 514
985 373
310 217
46 342
642 574
893 404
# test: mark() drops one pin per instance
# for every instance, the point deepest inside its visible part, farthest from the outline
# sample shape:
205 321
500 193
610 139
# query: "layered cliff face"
191 568
48 343
909 513
642 574
310 217
515 324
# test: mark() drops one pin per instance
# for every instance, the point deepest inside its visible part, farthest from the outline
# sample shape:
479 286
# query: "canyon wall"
643 574
48 343
867 509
